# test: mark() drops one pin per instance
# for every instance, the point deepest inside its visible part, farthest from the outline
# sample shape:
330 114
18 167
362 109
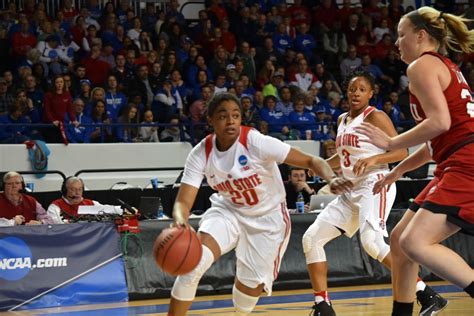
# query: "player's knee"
243 303
408 245
373 243
314 240
185 286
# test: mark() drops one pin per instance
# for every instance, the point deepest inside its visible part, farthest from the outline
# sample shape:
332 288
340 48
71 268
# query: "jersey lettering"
466 94
347 159
247 197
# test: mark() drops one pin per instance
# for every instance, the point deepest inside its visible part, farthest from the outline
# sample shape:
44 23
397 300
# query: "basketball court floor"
347 301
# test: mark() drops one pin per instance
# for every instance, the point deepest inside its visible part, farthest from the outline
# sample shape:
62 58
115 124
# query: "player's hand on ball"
339 185
180 221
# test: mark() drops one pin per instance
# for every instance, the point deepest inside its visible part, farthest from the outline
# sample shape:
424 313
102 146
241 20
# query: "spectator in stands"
334 44
393 67
17 133
34 93
6 99
285 103
23 41
167 102
56 104
325 15
278 122
102 131
30 111
276 83
52 56
250 114
305 43
228 38
304 78
381 30
334 111
115 100
85 93
107 54
122 73
281 40
383 47
127 133
297 183
65 209
173 133
174 12
148 133
350 63
80 133
17 208
141 85
96 69
393 113
323 75
302 121
375 71
248 61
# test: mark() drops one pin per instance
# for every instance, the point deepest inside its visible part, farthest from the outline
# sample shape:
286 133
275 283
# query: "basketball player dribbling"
248 213
363 164
441 102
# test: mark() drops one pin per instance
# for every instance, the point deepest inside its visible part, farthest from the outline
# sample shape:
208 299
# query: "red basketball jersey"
461 109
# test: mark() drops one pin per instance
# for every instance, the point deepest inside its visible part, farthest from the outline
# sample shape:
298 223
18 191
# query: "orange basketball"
177 250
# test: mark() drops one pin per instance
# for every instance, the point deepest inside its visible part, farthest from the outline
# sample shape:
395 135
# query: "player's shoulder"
426 64
376 116
341 117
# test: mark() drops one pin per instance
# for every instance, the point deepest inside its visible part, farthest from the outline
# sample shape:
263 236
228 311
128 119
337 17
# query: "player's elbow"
442 125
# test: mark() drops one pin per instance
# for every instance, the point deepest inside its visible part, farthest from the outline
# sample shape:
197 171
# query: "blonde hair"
448 29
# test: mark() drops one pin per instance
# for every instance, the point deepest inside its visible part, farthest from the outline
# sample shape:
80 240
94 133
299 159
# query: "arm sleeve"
268 148
7 222
42 216
163 98
194 166
117 209
54 213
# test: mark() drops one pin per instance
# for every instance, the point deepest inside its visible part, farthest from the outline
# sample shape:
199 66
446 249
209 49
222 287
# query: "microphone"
128 207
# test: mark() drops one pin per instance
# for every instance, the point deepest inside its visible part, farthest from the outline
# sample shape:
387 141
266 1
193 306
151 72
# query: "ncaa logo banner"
60 265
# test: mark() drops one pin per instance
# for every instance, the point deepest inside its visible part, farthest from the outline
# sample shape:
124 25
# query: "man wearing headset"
17 208
65 209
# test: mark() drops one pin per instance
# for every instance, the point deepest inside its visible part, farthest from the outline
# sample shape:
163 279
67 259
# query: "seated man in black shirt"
297 183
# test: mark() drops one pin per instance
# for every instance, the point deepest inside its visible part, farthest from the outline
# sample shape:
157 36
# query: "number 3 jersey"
246 175
461 109
350 148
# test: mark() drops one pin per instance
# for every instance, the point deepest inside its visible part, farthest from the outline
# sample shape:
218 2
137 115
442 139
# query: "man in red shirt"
23 41
65 209
96 69
17 208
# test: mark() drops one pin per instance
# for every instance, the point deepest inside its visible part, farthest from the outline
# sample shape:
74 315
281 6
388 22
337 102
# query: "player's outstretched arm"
183 204
319 167
383 122
424 75
415 160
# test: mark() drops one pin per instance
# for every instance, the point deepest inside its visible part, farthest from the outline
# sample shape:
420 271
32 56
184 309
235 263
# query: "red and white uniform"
248 213
350 210
450 192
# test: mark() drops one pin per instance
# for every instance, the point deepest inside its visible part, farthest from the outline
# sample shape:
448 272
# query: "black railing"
44 172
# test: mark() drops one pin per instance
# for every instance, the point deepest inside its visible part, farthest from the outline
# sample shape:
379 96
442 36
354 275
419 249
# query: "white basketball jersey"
246 175
350 148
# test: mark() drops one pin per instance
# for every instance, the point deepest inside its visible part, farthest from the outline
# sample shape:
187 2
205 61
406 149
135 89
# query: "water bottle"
300 203
160 213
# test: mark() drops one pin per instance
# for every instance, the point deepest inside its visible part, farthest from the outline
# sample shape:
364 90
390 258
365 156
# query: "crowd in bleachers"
106 74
